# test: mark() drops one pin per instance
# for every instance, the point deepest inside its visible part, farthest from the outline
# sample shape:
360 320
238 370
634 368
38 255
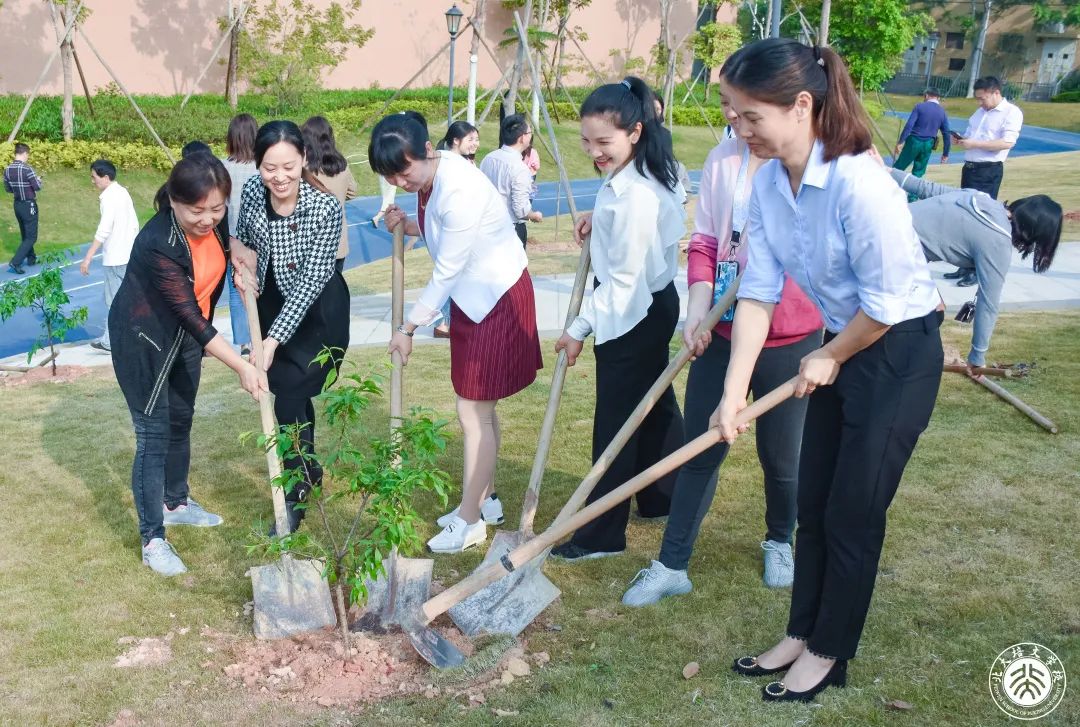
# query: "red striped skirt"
499 356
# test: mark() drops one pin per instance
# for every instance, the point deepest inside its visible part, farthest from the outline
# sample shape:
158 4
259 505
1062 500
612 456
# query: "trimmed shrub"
1067 97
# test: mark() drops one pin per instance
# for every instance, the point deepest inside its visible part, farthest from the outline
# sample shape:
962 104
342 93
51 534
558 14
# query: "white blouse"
469 235
637 223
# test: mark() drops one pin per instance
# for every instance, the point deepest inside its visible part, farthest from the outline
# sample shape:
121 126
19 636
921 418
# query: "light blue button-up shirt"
846 239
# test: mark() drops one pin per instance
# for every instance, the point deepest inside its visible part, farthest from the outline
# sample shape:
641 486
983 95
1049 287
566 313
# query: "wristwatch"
404 331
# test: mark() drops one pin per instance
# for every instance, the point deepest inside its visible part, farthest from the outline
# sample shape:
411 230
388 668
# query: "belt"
27 199
926 323
982 164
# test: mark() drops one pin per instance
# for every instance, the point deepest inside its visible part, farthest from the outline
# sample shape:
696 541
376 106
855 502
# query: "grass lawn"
1064 116
981 554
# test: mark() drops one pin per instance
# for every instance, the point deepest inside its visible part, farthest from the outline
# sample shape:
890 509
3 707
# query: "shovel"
408 580
291 597
510 604
440 653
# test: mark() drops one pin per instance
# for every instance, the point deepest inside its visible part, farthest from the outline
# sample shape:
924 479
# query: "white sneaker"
191 513
779 564
654 583
162 558
491 512
457 536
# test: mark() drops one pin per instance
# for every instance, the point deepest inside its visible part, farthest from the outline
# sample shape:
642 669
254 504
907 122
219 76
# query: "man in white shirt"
991 132
507 171
115 234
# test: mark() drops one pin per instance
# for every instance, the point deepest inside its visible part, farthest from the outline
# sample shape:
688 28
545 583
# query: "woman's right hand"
695 314
582 228
253 381
394 216
724 418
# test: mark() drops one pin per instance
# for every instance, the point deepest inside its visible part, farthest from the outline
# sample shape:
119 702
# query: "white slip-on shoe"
457 536
655 583
491 512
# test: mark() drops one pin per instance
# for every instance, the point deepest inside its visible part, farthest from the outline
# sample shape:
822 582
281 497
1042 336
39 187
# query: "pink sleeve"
701 259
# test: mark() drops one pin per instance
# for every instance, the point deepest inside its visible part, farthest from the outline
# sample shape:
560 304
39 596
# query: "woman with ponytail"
293 226
636 225
826 214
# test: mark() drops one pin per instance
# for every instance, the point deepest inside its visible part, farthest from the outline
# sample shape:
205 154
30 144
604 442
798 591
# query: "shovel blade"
511 603
291 597
433 647
401 591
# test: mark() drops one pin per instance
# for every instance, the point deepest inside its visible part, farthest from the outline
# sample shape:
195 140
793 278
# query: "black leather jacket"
155 311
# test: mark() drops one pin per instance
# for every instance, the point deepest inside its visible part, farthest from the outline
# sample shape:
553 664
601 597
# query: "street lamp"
453 25
932 41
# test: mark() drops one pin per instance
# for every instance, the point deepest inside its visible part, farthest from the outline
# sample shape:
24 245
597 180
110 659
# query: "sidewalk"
1024 290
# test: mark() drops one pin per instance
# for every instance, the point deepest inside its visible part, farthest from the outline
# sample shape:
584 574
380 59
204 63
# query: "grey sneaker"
779 564
654 583
162 558
491 512
190 514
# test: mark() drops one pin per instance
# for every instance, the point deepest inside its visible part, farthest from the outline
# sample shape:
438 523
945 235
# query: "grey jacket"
968 229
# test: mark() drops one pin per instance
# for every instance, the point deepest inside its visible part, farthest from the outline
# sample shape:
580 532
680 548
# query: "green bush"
1067 97
49 155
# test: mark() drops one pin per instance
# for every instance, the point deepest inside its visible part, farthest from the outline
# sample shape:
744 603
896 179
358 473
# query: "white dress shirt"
477 254
1002 122
507 171
846 239
118 226
637 223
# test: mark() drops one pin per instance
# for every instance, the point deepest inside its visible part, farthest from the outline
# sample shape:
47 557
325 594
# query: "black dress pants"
983 176
625 369
26 212
857 439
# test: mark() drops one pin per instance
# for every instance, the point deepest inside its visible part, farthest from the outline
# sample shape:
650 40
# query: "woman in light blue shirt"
826 214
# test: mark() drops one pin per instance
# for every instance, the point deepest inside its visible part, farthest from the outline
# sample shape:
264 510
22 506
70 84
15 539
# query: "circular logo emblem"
1027 681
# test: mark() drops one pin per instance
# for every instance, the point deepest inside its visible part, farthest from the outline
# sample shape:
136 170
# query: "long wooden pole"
1015 400
217 49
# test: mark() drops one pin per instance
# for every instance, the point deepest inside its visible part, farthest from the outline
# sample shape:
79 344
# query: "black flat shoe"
748 667
956 274
835 677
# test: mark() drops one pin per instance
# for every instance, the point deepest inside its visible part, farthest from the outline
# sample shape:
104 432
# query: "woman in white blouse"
636 226
480 267
826 214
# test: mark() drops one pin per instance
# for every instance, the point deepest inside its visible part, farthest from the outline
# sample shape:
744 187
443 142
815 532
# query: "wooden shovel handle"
266 409
645 406
1017 402
532 548
397 315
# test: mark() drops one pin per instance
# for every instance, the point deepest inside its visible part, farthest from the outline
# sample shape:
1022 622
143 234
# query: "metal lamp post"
453 25
932 41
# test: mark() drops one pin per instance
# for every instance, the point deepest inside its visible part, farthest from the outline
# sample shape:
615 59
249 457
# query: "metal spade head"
291 597
511 603
394 597
432 646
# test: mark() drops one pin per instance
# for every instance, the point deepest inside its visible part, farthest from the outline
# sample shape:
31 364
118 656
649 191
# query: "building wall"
160 46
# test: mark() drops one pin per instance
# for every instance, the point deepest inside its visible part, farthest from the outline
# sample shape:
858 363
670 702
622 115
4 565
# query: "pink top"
795 316
532 161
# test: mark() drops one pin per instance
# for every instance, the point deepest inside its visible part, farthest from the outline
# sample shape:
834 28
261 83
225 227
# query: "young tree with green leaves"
712 45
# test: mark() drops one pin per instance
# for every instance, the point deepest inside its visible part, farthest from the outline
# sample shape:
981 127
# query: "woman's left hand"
816 369
571 345
402 345
269 347
874 154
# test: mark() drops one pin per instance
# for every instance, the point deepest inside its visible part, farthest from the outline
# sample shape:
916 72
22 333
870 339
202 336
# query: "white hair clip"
625 83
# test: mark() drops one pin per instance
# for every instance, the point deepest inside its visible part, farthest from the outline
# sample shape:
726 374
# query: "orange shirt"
208 259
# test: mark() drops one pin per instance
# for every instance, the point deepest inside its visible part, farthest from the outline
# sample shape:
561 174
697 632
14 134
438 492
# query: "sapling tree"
362 508
43 294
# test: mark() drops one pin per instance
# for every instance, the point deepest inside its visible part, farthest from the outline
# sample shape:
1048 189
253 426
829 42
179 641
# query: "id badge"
726 272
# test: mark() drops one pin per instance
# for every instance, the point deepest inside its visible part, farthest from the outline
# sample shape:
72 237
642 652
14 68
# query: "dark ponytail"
192 179
1036 228
777 70
456 132
630 102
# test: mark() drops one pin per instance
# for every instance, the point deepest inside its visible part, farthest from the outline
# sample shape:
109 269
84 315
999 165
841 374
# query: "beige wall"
160 46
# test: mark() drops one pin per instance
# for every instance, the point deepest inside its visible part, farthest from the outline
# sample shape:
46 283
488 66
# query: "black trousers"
26 212
858 437
625 369
300 411
522 233
983 176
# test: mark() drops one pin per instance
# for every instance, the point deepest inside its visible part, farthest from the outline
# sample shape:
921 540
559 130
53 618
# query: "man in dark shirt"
23 182
920 131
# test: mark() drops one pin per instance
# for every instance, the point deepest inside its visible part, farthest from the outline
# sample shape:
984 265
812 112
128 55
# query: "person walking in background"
991 132
23 183
239 162
511 177
115 235
918 137
332 169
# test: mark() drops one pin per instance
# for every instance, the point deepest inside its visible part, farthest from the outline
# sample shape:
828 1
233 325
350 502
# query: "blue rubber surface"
1033 140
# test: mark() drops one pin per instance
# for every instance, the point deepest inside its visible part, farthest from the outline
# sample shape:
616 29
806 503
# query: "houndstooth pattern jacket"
303 247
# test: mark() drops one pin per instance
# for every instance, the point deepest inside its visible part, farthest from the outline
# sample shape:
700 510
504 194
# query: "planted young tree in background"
363 508
289 45
43 294
712 45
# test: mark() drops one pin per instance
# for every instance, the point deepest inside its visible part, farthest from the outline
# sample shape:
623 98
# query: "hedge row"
79 154
1067 97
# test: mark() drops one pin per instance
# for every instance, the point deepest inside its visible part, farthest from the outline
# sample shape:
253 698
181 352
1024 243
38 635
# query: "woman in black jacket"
160 323
293 226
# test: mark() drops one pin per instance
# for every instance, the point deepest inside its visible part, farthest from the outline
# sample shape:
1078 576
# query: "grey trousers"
114 275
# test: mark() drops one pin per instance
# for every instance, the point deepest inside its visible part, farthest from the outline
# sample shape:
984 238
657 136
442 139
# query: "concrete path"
1024 290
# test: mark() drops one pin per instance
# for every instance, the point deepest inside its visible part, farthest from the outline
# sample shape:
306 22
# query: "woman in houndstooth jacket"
293 225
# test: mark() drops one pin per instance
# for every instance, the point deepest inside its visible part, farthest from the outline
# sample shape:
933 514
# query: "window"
957 64
954 41
1011 43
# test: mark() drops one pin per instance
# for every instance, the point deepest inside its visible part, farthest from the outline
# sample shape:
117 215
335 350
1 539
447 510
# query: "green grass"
1064 116
981 553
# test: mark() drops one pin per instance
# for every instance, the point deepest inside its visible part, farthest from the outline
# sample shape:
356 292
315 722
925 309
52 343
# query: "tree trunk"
231 92
477 21
343 616
510 100
823 31
706 15
561 51
668 85
980 43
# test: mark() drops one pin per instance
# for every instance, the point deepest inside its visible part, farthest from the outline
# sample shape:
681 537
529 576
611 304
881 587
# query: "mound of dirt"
43 375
